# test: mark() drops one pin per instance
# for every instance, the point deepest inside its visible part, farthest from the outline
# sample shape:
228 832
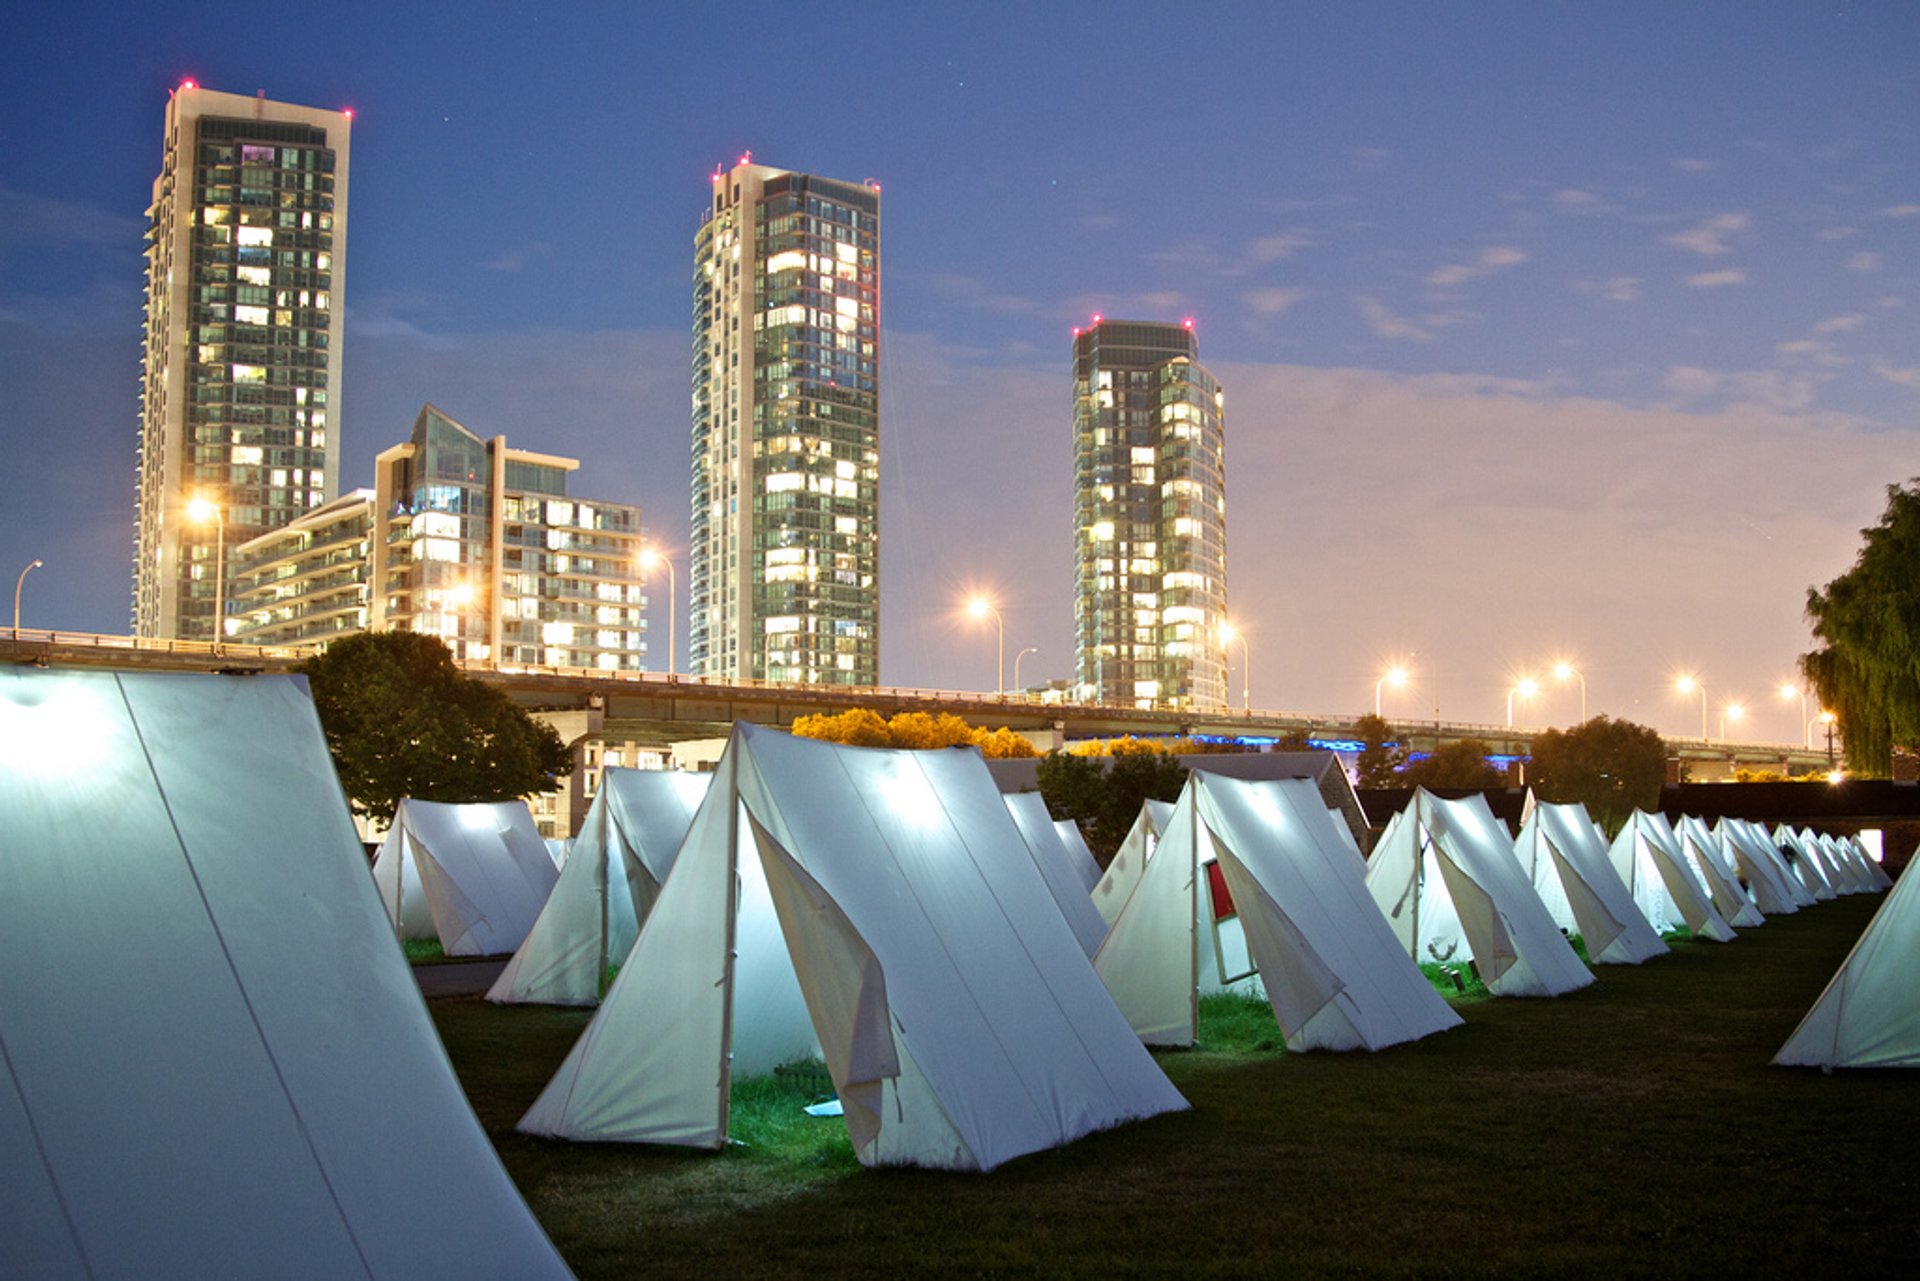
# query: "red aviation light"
189 84
1187 323
1096 317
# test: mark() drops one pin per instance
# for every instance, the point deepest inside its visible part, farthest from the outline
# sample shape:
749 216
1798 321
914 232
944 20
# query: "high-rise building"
246 266
1149 505
460 538
785 560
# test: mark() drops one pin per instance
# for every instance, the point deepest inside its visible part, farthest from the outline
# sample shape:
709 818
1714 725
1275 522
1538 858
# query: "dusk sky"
1582 330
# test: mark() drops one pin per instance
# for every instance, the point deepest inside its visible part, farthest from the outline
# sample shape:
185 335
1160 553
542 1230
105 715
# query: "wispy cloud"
1275 247
1717 279
1863 262
970 291
1274 301
1385 323
1612 289
1904 377
1840 324
1492 259
1710 237
1688 164
1836 233
1812 351
1901 211
1576 198
519 259
1771 390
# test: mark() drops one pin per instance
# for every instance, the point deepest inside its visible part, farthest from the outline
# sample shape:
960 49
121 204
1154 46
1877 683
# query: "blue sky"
1547 329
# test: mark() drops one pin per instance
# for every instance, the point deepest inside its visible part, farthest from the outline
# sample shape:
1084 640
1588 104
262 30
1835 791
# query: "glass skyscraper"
240 395
1150 500
785 560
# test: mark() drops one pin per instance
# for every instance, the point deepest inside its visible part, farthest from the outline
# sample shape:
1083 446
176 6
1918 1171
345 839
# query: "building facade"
460 538
1149 469
784 573
246 271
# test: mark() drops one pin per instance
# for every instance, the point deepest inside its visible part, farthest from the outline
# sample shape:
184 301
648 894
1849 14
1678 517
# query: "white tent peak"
474 875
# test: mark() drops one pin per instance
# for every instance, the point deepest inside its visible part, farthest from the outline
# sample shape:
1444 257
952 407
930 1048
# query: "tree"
913 731
1612 767
921 731
1381 759
1003 744
401 720
858 727
1104 795
1867 621
1461 763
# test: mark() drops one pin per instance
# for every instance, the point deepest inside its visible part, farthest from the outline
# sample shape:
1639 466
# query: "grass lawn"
1632 1126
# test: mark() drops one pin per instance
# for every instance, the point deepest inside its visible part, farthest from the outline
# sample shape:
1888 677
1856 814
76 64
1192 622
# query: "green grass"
422 951
1633 1127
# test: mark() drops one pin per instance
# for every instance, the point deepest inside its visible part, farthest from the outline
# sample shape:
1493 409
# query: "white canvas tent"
883 907
1447 879
1328 964
1647 857
213 1051
1775 890
1843 856
1817 853
1869 1014
1130 860
1565 857
613 874
1085 868
475 876
1808 869
1708 859
1876 875
1056 867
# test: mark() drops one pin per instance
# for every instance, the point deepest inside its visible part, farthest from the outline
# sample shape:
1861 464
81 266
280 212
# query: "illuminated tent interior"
613 875
1708 859
473 876
1647 856
1565 857
1129 863
1869 1014
1267 858
1776 891
1445 875
1057 868
879 908
221 1065
1808 868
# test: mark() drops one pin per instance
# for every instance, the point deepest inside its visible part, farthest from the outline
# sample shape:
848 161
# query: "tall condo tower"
240 395
1150 524
785 561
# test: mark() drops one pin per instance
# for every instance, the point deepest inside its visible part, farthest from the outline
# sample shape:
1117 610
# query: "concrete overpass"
658 710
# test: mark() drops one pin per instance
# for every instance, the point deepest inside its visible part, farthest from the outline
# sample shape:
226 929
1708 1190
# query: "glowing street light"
1687 685
201 510
649 558
18 583
1228 635
1526 687
980 607
1031 649
1790 691
1396 677
1565 671
1731 712
1828 719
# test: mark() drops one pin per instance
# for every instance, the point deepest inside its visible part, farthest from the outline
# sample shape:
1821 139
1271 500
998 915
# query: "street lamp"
18 583
1526 688
1806 726
980 607
1827 718
1031 649
1563 672
1686 685
1395 677
1228 635
1731 712
648 559
200 511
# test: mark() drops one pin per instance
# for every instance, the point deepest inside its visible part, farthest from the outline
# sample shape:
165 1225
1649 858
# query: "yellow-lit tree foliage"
860 727
915 731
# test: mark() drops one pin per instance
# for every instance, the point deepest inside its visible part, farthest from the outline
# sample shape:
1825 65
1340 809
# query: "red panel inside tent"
1217 893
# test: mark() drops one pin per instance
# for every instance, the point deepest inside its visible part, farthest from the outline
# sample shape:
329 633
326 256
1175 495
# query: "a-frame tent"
1447 879
1085 868
1708 859
1775 890
1844 855
1129 863
1056 867
612 877
1815 849
1647 856
1327 962
475 875
1869 1014
216 1062
1565 857
879 905
1761 843
1877 877
1805 866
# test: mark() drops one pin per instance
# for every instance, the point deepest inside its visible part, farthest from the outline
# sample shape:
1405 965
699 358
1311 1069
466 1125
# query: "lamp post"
1686 685
18 583
1527 687
1228 635
980 607
1827 718
1395 677
648 559
1567 671
1031 649
200 511
1731 712
1806 726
